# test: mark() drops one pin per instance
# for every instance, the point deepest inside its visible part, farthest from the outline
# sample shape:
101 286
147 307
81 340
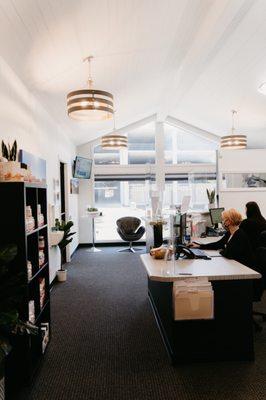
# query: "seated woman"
234 244
254 224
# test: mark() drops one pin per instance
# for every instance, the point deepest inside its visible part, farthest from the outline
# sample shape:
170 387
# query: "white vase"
211 205
62 275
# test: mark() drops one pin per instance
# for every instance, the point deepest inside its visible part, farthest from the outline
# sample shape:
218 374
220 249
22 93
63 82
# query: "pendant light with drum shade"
114 141
90 104
233 141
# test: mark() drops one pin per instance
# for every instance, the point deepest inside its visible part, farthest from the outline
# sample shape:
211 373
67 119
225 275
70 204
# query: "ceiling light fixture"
233 141
90 104
114 141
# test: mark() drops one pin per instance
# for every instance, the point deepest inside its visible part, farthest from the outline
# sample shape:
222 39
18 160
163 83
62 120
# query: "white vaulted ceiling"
192 59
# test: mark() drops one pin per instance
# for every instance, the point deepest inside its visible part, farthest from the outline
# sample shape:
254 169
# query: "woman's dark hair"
253 211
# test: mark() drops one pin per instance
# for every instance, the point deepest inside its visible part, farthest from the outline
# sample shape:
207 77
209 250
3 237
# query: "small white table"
92 216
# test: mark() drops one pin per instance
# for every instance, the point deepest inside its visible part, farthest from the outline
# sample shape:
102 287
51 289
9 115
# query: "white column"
86 196
159 156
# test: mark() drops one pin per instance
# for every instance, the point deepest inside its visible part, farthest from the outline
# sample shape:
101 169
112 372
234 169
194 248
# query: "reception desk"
229 336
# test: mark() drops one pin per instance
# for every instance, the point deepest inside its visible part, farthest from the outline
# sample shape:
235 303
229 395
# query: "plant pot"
93 214
62 275
55 237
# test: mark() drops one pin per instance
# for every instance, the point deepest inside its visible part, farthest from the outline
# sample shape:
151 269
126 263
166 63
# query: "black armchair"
129 229
260 284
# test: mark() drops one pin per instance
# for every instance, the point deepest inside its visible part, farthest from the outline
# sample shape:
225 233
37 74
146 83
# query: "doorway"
63 202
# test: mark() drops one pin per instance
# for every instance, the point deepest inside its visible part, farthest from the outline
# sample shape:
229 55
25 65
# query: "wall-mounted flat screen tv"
82 168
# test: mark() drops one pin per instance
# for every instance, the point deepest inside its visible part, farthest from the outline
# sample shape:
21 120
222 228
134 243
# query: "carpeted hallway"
106 344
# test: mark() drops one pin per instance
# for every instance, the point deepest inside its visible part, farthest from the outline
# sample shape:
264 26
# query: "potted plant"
93 212
66 228
10 168
11 297
211 197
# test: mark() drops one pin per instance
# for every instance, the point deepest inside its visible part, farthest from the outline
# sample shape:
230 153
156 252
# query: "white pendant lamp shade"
90 104
233 141
114 142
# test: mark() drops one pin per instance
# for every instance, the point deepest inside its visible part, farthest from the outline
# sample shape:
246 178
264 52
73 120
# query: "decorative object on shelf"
90 104
9 153
211 197
30 221
12 170
233 141
65 227
42 291
114 140
29 270
40 216
74 186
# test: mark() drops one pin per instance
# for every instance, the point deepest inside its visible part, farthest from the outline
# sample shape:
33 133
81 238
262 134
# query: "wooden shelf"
36 230
38 272
42 310
15 196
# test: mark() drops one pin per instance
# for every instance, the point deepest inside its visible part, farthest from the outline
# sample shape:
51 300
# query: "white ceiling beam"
192 129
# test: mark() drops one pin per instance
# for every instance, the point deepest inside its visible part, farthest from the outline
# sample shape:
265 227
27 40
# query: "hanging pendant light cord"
233 121
90 81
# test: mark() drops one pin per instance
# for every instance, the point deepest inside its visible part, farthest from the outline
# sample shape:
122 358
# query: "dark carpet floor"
106 344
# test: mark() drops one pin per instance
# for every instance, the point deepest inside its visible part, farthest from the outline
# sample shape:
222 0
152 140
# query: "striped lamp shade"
233 142
114 142
90 105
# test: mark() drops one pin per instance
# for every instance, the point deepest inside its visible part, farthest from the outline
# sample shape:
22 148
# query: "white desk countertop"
218 268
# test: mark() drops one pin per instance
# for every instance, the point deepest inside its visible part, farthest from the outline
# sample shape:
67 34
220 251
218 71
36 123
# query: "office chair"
260 284
129 229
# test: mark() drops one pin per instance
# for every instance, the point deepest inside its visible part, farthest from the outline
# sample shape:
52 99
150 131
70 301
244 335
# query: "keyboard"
199 253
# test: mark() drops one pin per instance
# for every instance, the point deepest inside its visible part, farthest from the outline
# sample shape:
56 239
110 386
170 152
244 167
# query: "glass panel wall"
116 199
181 147
193 185
141 149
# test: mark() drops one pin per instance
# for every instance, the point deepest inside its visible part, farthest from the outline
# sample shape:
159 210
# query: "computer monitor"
216 216
180 221
183 227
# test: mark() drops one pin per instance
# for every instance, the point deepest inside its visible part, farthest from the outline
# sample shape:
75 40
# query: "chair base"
130 249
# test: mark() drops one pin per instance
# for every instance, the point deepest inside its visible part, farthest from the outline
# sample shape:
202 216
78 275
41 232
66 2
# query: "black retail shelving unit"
27 351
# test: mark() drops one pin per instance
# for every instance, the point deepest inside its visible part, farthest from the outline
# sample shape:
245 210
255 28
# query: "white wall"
250 161
22 117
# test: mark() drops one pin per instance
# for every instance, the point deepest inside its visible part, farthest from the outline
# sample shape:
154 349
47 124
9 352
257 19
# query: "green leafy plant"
66 228
12 289
211 195
10 153
92 209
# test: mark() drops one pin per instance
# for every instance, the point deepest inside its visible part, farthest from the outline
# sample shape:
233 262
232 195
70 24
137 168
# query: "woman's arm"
218 245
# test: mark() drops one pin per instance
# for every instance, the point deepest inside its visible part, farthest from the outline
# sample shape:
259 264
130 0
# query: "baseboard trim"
108 244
